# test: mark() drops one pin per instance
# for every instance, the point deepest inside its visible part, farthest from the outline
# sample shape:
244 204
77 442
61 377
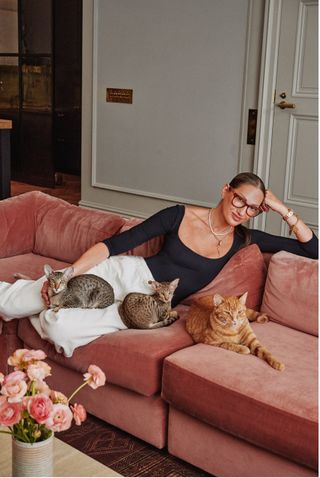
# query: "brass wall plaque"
119 95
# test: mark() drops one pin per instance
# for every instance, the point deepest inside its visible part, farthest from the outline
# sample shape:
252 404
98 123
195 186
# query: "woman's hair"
254 180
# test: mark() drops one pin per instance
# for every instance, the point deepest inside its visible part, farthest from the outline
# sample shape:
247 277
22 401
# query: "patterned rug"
124 453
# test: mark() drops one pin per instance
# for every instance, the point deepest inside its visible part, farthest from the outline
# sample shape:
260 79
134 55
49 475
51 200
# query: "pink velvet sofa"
228 414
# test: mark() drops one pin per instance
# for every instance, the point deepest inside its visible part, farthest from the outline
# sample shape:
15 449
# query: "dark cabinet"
40 87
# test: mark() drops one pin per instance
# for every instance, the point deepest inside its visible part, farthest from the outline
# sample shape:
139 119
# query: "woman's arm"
302 232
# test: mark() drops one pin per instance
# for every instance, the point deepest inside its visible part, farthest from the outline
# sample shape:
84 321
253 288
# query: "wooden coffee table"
67 460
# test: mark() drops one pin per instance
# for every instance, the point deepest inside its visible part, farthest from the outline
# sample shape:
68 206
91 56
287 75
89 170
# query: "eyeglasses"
238 202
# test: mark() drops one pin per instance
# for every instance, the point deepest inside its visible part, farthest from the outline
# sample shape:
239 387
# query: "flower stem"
78 390
3 431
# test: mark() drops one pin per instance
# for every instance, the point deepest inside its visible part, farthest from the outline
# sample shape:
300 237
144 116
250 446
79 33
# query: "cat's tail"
164 322
257 349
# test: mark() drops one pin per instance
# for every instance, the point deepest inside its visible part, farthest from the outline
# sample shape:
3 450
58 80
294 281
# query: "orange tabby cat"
224 322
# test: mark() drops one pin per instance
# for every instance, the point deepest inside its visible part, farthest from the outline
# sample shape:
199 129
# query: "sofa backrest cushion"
17 226
65 231
246 271
291 292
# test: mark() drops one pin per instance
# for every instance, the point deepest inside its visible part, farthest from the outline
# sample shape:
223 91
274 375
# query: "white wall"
184 135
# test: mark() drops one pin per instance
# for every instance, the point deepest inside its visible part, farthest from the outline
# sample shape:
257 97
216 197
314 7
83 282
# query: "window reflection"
36 84
9 82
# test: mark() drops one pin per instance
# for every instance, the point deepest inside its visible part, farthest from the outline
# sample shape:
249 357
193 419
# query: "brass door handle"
283 105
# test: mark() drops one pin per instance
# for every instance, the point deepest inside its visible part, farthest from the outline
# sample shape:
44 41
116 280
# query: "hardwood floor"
69 189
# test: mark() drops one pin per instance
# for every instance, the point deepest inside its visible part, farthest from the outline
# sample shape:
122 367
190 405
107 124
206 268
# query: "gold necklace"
216 234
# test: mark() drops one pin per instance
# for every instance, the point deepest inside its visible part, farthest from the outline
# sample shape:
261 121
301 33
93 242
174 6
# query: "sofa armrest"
17 224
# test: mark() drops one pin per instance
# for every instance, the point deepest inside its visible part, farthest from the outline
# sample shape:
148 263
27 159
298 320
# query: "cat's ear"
174 284
68 273
47 270
217 299
243 298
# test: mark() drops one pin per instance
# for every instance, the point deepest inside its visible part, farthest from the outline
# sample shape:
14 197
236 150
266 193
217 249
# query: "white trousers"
71 328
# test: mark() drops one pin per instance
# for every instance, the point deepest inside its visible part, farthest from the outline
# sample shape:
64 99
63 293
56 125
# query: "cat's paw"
278 366
18 275
262 318
174 314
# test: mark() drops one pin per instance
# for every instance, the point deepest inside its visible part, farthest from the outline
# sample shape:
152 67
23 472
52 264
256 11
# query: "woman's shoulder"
197 212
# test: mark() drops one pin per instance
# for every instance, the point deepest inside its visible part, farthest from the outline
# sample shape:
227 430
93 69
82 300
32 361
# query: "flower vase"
32 459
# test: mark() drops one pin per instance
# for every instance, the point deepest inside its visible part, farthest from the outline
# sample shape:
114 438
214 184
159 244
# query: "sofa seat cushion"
132 359
244 396
29 264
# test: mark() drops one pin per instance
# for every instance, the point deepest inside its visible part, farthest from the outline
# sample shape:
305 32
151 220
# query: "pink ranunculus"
60 418
38 370
79 413
39 407
58 397
1 378
14 386
10 413
22 357
95 376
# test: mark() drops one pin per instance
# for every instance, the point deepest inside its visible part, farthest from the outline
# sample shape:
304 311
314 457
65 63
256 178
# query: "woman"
198 243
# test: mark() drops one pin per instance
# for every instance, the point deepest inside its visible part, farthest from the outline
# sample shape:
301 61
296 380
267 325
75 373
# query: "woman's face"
245 194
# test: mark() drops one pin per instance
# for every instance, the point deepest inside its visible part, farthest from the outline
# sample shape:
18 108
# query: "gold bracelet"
288 215
293 228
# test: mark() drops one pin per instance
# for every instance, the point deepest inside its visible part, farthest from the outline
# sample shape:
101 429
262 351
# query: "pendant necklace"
216 235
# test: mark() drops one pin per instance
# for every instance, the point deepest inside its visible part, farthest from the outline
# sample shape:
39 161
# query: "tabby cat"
224 322
86 291
143 311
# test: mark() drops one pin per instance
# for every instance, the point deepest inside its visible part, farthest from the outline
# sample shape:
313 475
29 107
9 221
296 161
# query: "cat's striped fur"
224 322
143 311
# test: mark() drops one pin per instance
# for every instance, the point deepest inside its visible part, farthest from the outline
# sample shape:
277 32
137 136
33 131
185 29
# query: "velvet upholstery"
64 231
243 395
245 272
291 292
144 417
222 454
123 355
29 264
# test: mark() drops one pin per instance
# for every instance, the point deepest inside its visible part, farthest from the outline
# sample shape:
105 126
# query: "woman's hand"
44 293
273 203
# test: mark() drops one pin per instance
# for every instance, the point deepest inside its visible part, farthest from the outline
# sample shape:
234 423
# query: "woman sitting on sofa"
198 243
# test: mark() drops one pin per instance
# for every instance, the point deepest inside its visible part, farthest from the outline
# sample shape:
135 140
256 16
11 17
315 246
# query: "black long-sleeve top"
176 260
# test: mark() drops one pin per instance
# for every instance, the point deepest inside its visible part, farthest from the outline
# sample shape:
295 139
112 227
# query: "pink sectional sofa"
228 414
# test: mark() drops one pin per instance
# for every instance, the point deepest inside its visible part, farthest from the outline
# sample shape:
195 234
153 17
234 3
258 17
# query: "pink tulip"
79 413
60 418
14 386
10 413
22 357
58 397
1 378
95 376
38 370
39 407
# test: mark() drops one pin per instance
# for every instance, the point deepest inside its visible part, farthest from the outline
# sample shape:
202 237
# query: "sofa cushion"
65 231
28 264
291 292
130 358
245 271
17 224
243 395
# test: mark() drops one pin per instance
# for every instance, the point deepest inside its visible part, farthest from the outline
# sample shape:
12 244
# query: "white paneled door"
292 172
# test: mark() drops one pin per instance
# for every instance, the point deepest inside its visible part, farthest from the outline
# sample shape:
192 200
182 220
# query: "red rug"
125 453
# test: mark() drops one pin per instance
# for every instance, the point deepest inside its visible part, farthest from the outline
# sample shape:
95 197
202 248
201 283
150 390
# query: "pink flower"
79 413
38 370
14 386
95 376
58 397
41 387
60 418
1 378
10 413
22 357
39 407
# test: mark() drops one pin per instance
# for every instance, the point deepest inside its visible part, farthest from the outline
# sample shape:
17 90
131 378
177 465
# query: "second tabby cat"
143 311
224 322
